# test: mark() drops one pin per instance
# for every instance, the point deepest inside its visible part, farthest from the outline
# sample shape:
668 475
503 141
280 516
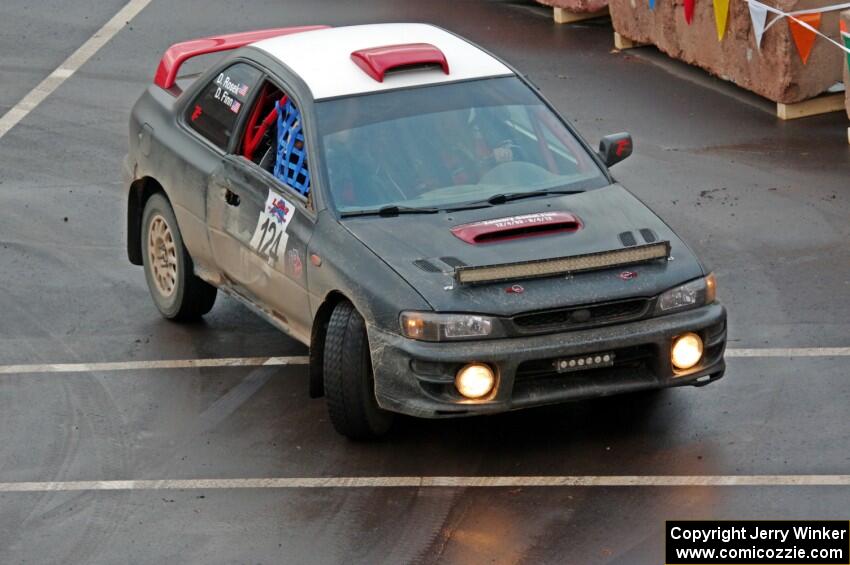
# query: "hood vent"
427 266
627 238
648 235
452 261
515 227
432 265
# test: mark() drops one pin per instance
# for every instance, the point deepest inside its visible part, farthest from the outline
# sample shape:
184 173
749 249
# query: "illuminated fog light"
597 359
475 380
686 351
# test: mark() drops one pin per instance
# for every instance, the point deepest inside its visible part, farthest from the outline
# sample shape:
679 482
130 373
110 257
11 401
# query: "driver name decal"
227 90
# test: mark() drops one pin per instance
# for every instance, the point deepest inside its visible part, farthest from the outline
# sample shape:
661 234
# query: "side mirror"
615 147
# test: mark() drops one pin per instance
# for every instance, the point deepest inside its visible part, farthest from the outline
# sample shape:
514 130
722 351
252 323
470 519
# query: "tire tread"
346 368
199 296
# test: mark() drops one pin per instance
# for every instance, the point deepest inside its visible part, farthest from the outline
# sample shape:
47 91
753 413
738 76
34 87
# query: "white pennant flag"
758 14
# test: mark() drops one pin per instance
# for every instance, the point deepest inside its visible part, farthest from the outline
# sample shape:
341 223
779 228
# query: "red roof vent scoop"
378 61
515 227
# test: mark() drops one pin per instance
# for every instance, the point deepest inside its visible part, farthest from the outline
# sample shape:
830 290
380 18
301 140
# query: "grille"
632 370
582 316
625 359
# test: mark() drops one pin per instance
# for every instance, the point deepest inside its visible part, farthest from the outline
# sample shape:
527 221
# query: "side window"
214 112
274 138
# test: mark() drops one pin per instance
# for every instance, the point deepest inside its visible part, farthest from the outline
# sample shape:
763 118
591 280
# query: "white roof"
322 58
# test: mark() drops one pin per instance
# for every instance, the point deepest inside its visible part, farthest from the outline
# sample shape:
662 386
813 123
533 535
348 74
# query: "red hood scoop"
515 227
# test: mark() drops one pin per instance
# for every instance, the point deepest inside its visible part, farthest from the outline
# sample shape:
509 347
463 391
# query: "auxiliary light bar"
563 265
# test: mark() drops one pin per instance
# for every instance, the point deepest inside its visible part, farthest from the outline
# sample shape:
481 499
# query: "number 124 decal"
270 235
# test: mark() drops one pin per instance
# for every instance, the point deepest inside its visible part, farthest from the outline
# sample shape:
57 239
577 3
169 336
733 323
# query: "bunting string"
799 21
758 16
803 24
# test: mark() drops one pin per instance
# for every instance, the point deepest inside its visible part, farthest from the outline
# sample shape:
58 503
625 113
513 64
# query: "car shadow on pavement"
599 419
639 433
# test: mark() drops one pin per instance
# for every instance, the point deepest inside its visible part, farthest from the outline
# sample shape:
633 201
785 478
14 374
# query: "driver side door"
260 217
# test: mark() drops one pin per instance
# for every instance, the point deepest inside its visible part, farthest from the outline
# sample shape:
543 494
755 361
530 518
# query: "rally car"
412 209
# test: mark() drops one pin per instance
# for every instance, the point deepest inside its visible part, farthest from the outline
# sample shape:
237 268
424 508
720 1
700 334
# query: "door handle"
231 198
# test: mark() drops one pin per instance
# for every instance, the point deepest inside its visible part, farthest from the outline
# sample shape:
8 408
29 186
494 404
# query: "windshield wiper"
390 210
502 198
395 210
511 196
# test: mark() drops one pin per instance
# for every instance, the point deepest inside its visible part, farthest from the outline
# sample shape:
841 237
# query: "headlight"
690 295
428 326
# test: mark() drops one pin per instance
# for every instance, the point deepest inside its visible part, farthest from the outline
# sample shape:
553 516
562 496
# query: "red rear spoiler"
178 53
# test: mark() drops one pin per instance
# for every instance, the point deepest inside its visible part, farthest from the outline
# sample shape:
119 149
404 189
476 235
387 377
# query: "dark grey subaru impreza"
414 211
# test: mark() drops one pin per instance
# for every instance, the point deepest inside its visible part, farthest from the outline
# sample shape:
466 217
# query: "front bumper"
417 378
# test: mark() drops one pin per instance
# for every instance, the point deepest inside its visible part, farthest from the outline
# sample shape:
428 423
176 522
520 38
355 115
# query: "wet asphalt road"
765 203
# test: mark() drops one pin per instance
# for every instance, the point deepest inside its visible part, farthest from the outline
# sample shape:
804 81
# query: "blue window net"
291 162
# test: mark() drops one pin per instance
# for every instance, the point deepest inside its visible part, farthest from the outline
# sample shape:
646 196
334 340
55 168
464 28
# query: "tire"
177 293
349 383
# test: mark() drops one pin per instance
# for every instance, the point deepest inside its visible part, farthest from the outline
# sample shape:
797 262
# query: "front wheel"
177 292
349 384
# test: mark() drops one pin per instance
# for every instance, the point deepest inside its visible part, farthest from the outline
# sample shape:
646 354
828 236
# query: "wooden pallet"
823 104
622 43
564 16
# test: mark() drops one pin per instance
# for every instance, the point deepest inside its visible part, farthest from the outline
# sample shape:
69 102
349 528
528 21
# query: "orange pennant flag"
804 38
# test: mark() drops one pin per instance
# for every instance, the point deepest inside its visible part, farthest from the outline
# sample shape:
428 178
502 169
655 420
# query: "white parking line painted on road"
303 360
156 364
430 482
68 67
790 352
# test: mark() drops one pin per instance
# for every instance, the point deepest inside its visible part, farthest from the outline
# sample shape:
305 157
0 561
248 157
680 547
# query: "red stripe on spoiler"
178 53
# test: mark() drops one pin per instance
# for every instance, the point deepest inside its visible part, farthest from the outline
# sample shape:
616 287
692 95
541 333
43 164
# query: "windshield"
448 145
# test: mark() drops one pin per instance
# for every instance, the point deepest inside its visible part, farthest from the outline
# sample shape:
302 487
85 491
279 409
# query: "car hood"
424 250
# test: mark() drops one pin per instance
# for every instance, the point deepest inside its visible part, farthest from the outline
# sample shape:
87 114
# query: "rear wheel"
176 291
349 384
